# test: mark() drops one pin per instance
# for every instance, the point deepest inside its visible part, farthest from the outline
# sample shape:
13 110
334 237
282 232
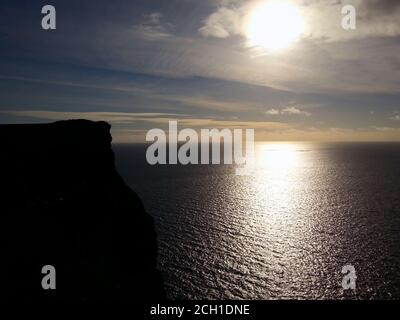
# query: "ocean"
285 232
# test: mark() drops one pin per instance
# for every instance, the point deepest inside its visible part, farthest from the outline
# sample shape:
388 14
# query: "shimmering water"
285 232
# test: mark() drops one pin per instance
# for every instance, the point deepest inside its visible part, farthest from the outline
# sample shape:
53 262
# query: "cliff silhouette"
62 203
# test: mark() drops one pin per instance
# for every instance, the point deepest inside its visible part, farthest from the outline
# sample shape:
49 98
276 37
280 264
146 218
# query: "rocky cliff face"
62 203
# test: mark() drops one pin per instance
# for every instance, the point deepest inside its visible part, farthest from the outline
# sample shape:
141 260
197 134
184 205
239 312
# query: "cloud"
222 23
381 6
156 118
113 117
151 29
383 128
395 116
294 110
374 19
153 18
265 131
378 18
122 122
288 111
272 112
158 45
348 59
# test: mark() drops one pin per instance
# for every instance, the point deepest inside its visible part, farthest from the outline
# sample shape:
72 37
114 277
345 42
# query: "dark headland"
62 203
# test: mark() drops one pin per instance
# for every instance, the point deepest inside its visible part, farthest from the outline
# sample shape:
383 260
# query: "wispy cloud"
178 44
139 65
114 117
288 111
156 118
222 23
152 28
395 116
323 19
265 131
273 112
123 131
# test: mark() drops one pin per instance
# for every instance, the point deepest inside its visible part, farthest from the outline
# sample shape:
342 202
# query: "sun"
274 25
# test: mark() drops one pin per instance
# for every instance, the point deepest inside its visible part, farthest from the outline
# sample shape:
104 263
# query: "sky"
138 64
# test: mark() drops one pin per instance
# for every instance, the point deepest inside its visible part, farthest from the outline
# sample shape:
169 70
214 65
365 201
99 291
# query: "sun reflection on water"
281 201
276 156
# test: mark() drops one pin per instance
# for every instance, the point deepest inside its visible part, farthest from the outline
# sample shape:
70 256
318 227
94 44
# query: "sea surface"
283 233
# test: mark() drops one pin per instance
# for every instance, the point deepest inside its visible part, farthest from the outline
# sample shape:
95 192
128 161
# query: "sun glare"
274 25
276 157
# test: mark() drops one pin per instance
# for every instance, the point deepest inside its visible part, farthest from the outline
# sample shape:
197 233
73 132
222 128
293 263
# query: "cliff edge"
64 204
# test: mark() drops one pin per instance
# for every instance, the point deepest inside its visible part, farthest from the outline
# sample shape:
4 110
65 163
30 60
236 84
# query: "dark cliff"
62 203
